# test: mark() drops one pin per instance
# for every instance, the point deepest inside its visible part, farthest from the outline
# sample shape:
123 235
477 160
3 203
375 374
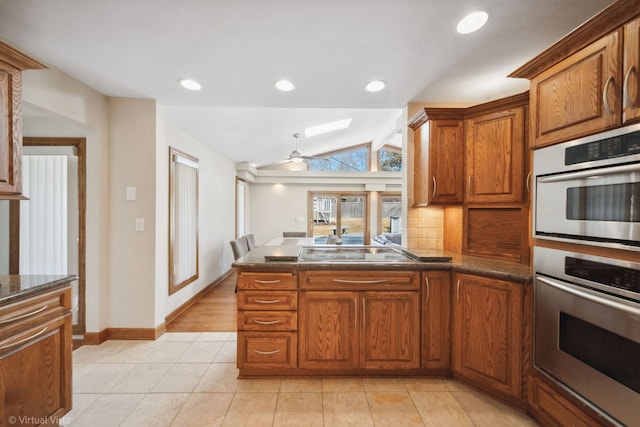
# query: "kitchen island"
35 348
382 311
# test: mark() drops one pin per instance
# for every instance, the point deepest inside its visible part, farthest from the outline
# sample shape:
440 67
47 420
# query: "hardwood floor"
214 312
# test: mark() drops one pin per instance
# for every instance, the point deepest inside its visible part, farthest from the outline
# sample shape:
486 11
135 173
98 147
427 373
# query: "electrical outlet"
139 224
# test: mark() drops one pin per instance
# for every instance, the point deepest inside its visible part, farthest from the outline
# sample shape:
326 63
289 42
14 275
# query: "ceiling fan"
296 155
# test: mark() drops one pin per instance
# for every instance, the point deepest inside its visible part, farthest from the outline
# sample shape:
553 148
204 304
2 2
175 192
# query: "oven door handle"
591 297
633 167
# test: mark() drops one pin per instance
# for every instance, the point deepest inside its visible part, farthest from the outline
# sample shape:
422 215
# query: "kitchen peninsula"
367 310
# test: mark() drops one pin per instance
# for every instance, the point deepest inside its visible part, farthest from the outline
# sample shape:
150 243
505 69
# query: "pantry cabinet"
12 63
436 320
487 333
438 153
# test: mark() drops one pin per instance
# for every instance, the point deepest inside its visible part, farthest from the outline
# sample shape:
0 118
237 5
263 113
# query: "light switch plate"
139 224
131 193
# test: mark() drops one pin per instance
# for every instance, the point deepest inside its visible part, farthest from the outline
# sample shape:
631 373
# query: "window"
390 159
345 215
390 213
353 159
183 219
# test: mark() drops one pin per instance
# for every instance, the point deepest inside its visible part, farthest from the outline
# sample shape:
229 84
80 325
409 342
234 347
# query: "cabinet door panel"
631 69
578 96
390 330
436 320
328 336
446 153
488 333
10 130
495 157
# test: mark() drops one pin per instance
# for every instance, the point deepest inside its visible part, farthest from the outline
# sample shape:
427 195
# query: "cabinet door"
35 372
446 151
390 325
436 320
495 157
631 82
328 336
578 96
487 338
10 130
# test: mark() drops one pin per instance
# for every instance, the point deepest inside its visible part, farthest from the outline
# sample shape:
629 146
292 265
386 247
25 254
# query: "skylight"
327 127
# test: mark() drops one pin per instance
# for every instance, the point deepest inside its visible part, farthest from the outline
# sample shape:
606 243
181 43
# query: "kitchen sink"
352 254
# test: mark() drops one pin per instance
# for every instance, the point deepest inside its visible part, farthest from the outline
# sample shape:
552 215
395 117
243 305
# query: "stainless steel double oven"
587 307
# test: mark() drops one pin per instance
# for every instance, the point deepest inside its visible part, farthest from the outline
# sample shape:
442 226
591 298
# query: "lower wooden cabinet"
35 359
344 330
436 320
487 333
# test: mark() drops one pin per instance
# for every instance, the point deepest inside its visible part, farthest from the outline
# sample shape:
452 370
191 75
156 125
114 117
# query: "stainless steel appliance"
588 190
587 329
357 254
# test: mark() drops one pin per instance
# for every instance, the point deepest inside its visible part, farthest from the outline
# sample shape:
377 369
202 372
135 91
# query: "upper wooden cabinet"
495 157
12 63
587 82
438 157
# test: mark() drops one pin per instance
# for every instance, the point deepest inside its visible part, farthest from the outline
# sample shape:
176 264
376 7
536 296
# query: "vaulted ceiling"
329 49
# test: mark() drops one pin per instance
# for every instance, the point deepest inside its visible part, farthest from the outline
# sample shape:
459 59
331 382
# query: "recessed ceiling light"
284 85
472 22
190 84
375 86
327 127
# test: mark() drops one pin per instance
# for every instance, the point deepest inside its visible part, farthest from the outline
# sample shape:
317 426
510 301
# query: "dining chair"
251 242
239 247
294 234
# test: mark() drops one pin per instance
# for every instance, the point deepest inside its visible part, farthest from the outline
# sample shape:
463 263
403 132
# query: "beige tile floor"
190 379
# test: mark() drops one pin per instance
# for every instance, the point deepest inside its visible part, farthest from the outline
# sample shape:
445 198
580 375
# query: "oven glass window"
612 202
611 354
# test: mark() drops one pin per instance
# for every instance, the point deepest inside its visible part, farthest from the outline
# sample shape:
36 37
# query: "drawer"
267 300
24 314
267 320
267 350
360 280
249 280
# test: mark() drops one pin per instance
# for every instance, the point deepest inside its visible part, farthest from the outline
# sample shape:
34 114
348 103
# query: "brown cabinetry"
12 63
487 333
436 319
495 147
35 358
438 153
267 320
590 91
349 327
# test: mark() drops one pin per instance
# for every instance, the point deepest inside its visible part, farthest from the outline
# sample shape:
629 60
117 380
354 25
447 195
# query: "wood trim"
425 114
169 318
14 237
595 28
95 338
515 101
18 59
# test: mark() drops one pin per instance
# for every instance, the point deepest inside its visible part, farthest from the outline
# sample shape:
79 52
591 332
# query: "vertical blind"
43 218
185 219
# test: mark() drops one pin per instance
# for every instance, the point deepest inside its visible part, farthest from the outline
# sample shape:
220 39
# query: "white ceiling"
330 49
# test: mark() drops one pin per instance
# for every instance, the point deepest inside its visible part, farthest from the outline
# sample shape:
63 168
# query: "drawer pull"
13 319
267 352
264 322
359 281
13 344
266 282
265 301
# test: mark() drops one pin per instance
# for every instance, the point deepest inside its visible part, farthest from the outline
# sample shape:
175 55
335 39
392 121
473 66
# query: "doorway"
48 230
345 215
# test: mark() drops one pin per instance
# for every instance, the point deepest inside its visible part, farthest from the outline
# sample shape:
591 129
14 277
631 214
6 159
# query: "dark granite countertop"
17 286
284 256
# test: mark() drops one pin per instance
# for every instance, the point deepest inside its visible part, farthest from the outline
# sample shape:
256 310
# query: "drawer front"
267 300
22 315
360 280
267 281
267 350
267 320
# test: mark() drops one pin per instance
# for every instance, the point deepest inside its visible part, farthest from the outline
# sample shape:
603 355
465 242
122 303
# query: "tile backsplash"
425 228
